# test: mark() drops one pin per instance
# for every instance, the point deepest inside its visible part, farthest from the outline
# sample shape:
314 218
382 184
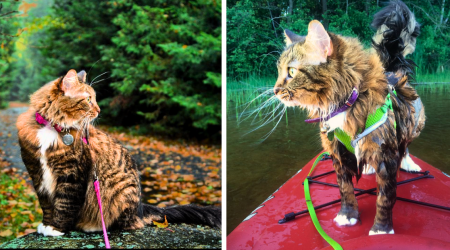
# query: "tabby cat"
321 72
63 155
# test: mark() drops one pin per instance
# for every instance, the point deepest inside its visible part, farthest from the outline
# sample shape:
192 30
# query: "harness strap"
374 120
311 210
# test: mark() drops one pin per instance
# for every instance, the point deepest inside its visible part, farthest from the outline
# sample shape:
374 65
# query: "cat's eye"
292 71
88 99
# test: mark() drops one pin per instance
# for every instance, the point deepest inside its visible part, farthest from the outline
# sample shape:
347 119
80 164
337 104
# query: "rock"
179 236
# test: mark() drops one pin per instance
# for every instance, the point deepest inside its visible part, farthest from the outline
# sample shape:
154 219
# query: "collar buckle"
351 99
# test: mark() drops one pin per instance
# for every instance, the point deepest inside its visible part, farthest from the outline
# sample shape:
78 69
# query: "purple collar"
350 101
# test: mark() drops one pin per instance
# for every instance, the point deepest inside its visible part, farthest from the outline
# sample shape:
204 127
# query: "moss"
179 236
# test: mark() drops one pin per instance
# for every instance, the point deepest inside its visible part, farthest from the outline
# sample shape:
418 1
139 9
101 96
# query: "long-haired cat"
322 71
63 154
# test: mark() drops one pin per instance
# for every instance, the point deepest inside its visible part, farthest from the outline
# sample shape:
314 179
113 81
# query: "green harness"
374 120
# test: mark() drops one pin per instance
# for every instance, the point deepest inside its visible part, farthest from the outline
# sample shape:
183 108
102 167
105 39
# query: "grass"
249 93
432 78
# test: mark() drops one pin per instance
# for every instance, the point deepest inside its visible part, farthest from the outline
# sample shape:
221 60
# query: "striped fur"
322 88
63 175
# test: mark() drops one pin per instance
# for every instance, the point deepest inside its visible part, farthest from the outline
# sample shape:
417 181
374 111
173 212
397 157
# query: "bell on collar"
325 127
67 139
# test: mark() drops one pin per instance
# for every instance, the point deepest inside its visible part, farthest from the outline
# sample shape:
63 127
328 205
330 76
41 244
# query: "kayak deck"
261 230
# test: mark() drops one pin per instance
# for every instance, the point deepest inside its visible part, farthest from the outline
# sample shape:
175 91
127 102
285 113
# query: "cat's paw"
343 220
368 169
409 165
371 232
48 230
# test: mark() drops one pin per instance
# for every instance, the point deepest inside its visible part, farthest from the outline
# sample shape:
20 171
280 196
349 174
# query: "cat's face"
68 101
303 77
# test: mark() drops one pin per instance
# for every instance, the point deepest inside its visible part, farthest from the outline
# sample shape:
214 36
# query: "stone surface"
174 236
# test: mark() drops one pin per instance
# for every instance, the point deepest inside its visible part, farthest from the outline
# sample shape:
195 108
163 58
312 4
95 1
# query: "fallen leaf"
162 225
30 230
188 177
152 201
6 233
12 203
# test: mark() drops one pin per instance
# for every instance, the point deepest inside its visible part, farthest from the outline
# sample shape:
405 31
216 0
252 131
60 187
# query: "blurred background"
160 60
266 145
156 68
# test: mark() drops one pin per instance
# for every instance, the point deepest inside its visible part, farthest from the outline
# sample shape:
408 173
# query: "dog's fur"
324 68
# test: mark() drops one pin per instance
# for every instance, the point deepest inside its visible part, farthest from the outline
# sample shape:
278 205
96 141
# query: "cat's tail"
395 37
191 214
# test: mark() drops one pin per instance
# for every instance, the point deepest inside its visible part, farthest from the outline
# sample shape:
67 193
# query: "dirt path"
9 144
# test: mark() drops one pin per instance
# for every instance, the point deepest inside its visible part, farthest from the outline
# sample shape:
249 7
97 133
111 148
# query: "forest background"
158 62
255 32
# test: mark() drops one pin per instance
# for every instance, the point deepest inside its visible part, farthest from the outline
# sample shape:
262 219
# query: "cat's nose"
276 90
98 110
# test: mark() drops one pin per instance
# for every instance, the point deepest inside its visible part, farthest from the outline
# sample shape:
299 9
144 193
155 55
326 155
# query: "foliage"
175 172
160 59
8 32
19 207
255 30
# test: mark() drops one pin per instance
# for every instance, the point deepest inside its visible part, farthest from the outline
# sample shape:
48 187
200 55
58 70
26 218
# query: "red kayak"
423 225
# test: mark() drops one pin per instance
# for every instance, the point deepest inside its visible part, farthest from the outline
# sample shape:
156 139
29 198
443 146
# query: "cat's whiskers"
273 129
252 101
97 77
270 113
257 110
271 118
101 80
85 118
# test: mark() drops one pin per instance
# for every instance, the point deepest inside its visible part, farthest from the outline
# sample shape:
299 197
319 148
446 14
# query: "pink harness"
41 120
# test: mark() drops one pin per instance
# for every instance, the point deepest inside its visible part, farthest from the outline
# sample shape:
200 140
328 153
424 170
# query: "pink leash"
97 191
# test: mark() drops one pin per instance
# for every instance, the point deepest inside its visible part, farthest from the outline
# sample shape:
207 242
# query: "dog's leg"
348 215
387 187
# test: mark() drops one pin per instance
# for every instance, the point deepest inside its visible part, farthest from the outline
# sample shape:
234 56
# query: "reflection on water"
255 170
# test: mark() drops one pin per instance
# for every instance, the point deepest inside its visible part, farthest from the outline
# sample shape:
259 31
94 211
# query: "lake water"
256 169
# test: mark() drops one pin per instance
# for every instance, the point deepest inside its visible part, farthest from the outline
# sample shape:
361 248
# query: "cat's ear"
319 38
69 81
291 37
82 76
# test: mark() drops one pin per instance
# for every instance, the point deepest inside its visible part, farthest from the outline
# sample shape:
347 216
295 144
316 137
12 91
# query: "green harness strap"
311 210
372 119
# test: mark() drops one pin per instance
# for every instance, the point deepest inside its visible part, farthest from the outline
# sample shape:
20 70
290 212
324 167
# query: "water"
255 170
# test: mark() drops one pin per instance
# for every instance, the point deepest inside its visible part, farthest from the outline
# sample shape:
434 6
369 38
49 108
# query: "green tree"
255 30
158 62
9 32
